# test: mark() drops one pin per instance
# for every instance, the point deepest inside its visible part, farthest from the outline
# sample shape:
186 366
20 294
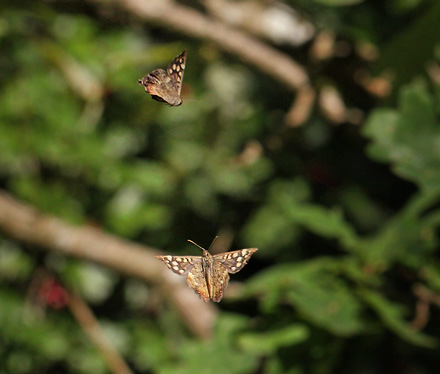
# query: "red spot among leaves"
53 294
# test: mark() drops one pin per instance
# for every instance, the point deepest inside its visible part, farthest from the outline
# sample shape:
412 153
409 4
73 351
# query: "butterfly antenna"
203 249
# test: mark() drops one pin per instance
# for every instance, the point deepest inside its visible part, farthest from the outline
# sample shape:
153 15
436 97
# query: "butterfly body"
166 85
208 275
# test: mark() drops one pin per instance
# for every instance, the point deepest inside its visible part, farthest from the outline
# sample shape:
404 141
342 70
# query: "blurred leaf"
392 316
282 196
217 355
269 341
416 158
431 274
325 222
150 346
398 55
314 290
21 328
94 282
14 263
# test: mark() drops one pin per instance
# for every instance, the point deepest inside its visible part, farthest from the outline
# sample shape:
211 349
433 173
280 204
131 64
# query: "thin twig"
91 328
425 297
26 224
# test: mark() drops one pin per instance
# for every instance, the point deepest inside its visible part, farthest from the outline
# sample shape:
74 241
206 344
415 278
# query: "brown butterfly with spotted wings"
165 86
208 275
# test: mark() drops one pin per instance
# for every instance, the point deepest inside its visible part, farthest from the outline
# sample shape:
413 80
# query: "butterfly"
165 86
208 275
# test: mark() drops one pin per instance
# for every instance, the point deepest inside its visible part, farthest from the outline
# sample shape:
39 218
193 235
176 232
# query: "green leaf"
218 355
314 290
392 315
283 196
408 138
265 343
325 222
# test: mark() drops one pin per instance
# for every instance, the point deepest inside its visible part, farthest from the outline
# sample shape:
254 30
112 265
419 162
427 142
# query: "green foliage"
416 158
216 355
313 291
345 234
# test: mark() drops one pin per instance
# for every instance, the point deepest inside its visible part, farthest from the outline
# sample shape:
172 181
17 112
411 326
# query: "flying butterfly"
208 275
165 86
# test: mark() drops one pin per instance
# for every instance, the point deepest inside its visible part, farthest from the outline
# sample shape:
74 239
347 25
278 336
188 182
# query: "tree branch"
24 223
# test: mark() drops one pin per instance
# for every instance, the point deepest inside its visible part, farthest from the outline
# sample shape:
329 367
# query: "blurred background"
308 129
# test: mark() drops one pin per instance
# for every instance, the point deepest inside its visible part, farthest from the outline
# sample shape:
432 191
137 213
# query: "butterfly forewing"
180 265
175 71
234 261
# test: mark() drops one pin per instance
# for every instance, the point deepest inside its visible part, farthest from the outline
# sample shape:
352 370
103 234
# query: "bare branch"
91 328
24 223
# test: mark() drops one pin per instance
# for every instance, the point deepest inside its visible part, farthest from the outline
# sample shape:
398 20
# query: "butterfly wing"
217 279
197 281
158 84
234 261
180 265
175 71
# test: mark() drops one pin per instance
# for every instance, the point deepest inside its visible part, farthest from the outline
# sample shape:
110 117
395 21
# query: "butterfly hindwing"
197 281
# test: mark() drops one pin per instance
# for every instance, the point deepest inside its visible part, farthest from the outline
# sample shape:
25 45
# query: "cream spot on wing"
245 252
174 66
181 271
175 263
235 254
184 260
168 258
239 259
238 264
177 68
176 268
